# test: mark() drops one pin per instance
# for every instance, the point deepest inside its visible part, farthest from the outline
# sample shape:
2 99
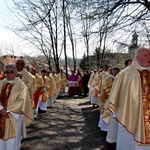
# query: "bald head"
139 50
20 64
142 56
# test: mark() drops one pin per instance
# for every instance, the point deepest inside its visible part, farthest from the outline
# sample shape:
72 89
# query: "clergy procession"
122 97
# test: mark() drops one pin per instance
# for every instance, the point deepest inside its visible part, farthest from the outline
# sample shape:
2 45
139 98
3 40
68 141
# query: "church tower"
133 46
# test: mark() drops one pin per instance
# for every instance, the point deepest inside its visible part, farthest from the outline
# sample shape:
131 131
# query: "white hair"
138 50
10 65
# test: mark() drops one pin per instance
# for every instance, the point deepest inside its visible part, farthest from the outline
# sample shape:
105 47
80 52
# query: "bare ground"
70 125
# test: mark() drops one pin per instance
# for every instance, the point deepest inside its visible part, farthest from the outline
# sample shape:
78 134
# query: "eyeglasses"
9 72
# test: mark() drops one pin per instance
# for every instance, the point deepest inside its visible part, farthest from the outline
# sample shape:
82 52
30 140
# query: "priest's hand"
4 113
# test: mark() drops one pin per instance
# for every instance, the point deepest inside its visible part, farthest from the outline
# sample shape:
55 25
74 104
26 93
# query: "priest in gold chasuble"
130 103
15 108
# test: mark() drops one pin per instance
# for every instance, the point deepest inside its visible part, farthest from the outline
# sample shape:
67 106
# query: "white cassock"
125 140
13 143
94 100
112 130
42 105
50 102
89 95
102 125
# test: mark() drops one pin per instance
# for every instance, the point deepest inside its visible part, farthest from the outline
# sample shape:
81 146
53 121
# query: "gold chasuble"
6 89
130 101
45 89
14 96
96 82
106 84
52 90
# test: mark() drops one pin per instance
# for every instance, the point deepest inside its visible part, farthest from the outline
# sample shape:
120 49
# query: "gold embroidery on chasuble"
145 83
5 92
44 95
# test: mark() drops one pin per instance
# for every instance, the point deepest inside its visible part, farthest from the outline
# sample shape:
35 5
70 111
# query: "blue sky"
11 40
8 39
10 43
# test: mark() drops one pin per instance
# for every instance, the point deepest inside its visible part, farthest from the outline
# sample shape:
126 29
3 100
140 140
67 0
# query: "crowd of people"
123 101
25 93
122 97
78 83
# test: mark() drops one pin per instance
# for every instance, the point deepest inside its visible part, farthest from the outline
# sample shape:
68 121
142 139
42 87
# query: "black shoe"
95 106
35 118
41 111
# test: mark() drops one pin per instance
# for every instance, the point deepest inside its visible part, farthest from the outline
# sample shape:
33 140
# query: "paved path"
70 125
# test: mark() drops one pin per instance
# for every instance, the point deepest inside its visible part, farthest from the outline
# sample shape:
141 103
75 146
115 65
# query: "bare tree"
147 32
71 33
86 23
39 26
47 24
127 13
64 23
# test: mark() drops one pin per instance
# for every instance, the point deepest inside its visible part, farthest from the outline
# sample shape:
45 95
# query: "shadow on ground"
70 125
